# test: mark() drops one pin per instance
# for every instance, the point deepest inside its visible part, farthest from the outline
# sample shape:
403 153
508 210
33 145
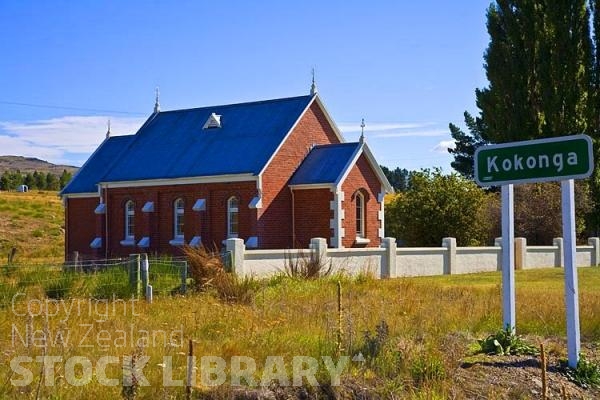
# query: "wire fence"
119 278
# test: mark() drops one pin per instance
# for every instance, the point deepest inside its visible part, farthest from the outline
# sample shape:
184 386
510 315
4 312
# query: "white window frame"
233 212
178 219
360 215
130 220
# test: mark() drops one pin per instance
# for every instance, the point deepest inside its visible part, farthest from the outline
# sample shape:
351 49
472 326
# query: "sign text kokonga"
568 157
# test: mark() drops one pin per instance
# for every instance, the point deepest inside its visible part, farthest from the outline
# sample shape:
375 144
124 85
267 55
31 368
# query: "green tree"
543 69
5 181
51 181
465 145
398 177
593 220
437 206
539 68
16 179
538 216
65 177
29 181
40 180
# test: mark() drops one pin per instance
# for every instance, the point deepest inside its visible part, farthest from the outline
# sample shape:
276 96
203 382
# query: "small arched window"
360 215
232 217
178 213
129 220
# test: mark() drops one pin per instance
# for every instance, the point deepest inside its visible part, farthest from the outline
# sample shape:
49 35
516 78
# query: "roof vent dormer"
214 121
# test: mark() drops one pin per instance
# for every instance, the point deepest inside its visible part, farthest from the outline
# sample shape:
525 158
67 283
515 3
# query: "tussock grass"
208 273
302 266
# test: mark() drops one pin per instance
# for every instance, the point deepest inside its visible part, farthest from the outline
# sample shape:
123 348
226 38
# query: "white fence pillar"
520 253
559 260
595 243
237 249
450 257
318 248
388 267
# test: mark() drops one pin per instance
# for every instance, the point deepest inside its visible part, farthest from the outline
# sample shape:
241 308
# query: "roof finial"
108 130
157 104
362 131
313 86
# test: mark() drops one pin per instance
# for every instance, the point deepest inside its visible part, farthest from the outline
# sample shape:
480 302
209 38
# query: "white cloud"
57 140
411 133
387 130
443 146
348 127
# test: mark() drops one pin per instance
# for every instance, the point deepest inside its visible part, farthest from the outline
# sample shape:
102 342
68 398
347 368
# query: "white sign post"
555 159
571 291
508 258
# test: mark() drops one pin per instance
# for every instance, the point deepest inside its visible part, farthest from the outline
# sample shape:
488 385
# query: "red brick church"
275 173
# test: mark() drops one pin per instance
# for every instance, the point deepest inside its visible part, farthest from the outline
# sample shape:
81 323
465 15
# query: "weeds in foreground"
61 287
208 272
131 374
373 343
306 267
205 266
427 367
586 374
506 342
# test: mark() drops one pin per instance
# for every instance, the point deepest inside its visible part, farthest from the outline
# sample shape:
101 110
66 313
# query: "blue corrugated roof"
91 172
173 143
324 164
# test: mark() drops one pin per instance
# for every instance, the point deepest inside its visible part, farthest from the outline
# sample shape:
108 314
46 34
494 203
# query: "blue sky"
407 67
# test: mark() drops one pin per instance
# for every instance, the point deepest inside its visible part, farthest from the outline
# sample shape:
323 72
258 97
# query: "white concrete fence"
390 261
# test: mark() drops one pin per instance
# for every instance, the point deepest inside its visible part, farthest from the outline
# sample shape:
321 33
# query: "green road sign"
554 159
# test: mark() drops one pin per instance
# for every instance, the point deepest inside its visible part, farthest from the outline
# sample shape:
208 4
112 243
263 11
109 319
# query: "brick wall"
275 218
81 226
361 177
312 215
210 224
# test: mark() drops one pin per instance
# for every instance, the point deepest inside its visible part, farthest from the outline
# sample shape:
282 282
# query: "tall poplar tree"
594 219
539 68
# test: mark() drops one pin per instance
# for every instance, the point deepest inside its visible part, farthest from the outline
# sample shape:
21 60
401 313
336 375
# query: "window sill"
96 243
196 241
128 242
177 242
361 240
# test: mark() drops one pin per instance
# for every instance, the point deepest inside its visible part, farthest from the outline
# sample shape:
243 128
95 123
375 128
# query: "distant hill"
31 164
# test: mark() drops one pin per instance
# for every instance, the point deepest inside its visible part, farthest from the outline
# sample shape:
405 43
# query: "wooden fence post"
134 273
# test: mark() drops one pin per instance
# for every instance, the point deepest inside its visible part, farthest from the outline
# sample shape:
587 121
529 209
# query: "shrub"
437 206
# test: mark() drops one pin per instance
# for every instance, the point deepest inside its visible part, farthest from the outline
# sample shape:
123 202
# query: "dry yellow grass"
431 320
32 222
